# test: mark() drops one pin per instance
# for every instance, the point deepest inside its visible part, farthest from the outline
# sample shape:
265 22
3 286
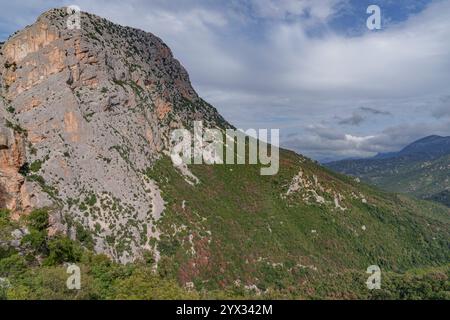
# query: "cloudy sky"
308 67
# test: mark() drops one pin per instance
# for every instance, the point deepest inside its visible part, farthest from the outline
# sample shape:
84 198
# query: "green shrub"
37 240
82 207
38 220
62 249
36 166
145 285
6 252
91 200
6 225
168 247
12 265
84 236
4 214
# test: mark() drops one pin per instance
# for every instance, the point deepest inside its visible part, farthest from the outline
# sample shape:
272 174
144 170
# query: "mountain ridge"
85 118
432 146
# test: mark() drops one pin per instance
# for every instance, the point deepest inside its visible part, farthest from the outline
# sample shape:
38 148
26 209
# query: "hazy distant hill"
421 169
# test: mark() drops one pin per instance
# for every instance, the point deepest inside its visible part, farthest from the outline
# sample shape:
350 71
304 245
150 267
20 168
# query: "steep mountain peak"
122 54
430 146
93 109
432 139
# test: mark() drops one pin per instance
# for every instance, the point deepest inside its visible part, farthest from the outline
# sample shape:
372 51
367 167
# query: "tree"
62 249
38 220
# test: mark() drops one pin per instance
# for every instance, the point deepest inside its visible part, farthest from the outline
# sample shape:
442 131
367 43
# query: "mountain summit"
85 122
428 147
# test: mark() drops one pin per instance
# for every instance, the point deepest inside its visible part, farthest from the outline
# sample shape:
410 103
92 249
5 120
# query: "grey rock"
97 106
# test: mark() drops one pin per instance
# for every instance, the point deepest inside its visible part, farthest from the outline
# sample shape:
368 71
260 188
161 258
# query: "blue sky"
308 67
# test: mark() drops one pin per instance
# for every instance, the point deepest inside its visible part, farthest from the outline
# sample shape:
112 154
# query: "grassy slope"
242 229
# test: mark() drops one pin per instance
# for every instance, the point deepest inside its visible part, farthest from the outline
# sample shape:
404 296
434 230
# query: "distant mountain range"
421 169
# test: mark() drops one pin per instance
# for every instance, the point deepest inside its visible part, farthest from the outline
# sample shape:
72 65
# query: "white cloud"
357 140
409 59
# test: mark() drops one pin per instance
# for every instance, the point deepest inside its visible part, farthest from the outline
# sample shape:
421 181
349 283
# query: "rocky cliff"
84 115
12 158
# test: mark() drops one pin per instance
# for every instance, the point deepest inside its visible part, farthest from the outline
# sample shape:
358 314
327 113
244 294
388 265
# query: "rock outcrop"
85 114
12 158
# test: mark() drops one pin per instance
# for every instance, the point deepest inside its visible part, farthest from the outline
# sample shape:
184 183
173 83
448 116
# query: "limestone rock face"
92 110
16 193
12 158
